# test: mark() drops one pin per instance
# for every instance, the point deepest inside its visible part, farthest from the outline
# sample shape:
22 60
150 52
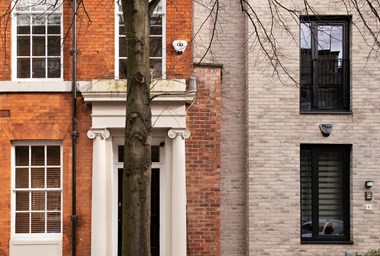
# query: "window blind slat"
22 178
38 177
38 155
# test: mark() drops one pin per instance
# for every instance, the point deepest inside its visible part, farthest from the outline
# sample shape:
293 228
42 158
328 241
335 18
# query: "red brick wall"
43 116
203 164
95 40
5 42
179 27
96 32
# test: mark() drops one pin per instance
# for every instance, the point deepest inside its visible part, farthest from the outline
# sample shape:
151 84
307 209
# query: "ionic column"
99 192
178 196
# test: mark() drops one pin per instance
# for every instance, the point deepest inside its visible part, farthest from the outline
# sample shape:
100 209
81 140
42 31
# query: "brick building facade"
36 154
276 178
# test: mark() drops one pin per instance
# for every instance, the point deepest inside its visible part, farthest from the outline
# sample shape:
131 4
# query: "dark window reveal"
324 63
325 193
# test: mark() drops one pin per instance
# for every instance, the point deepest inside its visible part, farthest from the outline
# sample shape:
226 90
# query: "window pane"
156 68
22 201
54 24
22 178
305 36
54 67
156 20
155 152
38 201
122 68
39 24
38 155
38 43
53 222
155 47
53 155
38 222
39 68
156 30
38 177
122 47
54 46
330 38
53 200
23 43
120 150
22 155
23 68
23 24
330 54
53 177
330 192
22 222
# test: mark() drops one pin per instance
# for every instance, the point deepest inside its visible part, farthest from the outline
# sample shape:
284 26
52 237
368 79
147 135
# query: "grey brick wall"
262 130
228 49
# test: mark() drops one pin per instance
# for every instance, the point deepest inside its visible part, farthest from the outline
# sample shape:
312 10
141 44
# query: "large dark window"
324 68
325 193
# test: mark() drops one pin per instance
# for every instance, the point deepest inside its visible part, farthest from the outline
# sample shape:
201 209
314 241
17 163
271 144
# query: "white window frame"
163 14
33 236
59 11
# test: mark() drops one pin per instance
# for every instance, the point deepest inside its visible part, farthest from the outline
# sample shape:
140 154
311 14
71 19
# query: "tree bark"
138 127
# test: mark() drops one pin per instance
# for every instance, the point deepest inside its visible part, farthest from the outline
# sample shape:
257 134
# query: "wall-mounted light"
368 184
326 129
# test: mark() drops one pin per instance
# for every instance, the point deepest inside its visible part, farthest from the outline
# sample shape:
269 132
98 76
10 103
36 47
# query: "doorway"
155 203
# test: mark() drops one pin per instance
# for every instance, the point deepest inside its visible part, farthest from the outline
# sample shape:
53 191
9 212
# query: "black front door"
155 212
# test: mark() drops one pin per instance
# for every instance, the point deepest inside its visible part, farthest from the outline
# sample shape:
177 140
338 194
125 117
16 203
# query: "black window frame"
314 151
313 105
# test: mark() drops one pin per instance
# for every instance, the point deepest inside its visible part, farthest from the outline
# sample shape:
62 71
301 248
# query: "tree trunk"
137 157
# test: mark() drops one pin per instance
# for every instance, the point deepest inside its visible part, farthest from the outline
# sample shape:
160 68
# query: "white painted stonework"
46 247
107 99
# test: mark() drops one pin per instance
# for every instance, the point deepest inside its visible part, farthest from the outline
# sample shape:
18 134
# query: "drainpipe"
74 134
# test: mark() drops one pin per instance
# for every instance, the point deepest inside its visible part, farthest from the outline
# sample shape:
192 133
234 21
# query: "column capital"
102 133
174 132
